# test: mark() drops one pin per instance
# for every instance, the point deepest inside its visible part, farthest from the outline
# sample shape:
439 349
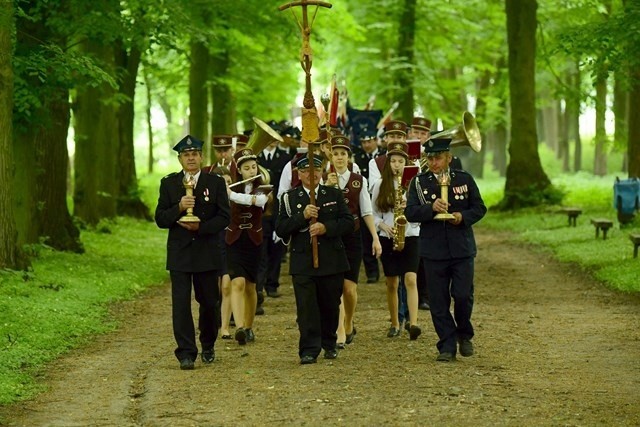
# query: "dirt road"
552 348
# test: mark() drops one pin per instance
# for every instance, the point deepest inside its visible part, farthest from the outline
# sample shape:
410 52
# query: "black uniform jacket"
193 251
441 240
293 227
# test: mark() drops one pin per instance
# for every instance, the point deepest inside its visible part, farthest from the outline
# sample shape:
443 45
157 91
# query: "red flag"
333 102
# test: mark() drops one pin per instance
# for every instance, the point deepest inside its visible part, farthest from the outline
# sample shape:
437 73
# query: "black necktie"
269 157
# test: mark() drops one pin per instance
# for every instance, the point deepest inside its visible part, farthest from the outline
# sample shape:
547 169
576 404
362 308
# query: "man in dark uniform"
273 159
447 247
317 290
193 250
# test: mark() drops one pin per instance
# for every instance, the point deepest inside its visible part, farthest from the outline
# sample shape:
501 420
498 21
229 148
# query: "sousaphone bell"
465 134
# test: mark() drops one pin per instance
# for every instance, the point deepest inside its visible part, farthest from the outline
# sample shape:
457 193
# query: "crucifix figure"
310 128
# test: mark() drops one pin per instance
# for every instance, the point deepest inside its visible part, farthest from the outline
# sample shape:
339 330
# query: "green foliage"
64 300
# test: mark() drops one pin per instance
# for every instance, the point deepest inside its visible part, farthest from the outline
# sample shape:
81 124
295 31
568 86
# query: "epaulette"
170 175
460 172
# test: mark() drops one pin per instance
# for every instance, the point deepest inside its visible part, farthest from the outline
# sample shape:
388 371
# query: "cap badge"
189 141
430 143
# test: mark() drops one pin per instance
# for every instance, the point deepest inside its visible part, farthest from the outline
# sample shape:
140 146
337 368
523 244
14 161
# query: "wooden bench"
602 224
635 239
572 214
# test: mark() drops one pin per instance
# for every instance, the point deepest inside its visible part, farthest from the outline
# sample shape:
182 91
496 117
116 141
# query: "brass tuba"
399 220
466 133
262 136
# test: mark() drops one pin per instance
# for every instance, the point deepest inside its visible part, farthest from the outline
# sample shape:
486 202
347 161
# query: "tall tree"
526 183
97 144
600 156
10 254
42 126
406 46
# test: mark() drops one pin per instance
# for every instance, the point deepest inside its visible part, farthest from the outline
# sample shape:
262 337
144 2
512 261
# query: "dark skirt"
353 248
223 254
243 258
396 263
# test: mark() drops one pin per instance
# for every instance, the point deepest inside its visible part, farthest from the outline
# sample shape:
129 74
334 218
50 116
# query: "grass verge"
63 301
610 261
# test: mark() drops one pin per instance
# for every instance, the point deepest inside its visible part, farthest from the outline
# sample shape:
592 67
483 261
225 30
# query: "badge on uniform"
356 184
299 205
206 194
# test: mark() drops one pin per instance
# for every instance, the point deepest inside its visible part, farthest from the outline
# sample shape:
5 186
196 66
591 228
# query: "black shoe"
351 336
186 364
241 336
446 357
414 332
260 298
208 356
307 360
393 332
273 293
466 348
259 310
251 337
424 306
330 354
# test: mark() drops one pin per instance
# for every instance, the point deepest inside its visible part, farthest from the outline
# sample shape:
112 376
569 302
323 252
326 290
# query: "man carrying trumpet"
447 204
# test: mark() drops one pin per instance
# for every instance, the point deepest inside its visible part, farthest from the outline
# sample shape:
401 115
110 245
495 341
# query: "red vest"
351 193
244 218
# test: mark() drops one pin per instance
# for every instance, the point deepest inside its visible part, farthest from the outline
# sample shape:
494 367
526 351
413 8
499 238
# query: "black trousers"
371 266
271 259
205 286
318 310
423 294
447 279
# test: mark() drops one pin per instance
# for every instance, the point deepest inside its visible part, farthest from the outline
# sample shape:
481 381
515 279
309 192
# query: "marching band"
263 180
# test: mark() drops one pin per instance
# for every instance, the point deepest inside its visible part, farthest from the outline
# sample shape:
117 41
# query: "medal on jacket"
206 194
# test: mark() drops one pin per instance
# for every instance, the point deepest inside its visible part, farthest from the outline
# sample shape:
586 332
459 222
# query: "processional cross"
310 128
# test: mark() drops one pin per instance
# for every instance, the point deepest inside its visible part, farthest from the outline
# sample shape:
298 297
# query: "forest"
93 95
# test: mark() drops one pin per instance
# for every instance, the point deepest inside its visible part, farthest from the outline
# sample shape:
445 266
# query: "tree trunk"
147 85
526 182
620 111
573 108
406 46
198 92
475 161
222 110
97 145
10 254
53 220
549 122
563 140
600 158
500 149
129 201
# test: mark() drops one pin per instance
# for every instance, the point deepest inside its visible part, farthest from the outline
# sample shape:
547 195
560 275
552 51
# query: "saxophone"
399 220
